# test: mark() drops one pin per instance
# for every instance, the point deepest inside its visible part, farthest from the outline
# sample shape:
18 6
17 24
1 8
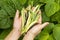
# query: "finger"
32 33
44 25
17 14
40 18
37 28
20 21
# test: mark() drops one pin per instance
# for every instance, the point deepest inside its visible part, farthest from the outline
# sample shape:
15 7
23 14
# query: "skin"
31 34
16 31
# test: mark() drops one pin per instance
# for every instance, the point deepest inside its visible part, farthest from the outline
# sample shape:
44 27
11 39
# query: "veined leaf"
47 1
43 36
4 33
3 14
56 33
22 2
5 21
51 37
51 8
17 4
56 17
49 28
45 18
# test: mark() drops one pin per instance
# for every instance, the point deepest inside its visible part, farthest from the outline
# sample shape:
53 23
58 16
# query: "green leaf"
9 10
3 14
51 37
4 33
57 25
47 1
49 28
45 18
22 2
56 33
56 17
51 8
6 6
57 1
43 36
17 4
5 21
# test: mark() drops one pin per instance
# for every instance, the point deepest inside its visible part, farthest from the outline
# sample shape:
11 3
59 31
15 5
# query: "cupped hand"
31 34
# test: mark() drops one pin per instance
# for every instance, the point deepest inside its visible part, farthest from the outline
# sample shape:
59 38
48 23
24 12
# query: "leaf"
7 8
10 11
5 21
8 2
47 1
49 28
22 2
43 36
17 4
57 1
57 25
45 18
51 8
51 37
3 14
56 17
56 33
4 33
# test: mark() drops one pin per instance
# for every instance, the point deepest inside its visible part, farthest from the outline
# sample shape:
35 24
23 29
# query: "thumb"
37 28
44 25
32 33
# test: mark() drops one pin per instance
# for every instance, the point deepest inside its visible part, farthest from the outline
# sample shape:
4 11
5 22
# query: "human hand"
31 34
36 29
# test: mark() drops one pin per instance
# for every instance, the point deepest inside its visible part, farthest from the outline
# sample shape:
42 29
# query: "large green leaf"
45 18
17 4
42 36
51 8
6 6
56 33
9 10
49 28
51 37
4 33
47 1
56 17
5 21
22 2
3 14
57 1
57 25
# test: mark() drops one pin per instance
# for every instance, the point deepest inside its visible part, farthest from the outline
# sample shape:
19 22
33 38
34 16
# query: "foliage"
50 12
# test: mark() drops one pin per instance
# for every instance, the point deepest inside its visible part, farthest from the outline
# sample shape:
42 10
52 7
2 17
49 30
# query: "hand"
16 31
31 34
34 31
